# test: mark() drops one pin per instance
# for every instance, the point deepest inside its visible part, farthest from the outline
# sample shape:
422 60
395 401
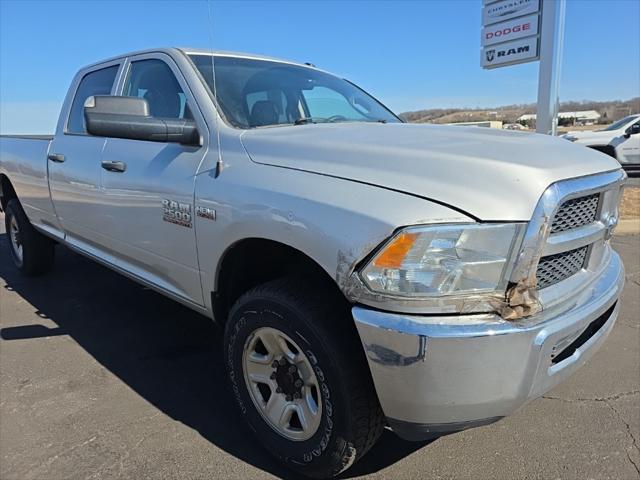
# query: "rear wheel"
32 253
300 378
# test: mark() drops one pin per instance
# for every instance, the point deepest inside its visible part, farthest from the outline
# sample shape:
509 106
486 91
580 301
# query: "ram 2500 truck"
367 272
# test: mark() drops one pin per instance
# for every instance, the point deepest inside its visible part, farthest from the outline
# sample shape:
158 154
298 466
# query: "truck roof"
226 53
200 51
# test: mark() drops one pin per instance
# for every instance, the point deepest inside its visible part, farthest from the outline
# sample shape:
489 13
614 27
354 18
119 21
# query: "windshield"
620 123
259 93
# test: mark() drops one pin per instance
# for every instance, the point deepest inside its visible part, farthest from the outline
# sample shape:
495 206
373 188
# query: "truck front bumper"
442 374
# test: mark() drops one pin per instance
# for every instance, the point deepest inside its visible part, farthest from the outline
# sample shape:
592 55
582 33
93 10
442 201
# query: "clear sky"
411 54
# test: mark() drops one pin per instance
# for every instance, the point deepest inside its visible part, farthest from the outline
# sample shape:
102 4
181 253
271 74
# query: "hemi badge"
205 212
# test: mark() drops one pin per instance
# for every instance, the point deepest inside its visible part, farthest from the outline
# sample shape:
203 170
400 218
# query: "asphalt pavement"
101 378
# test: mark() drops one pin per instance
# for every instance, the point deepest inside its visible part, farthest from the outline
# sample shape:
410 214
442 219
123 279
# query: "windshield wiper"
305 120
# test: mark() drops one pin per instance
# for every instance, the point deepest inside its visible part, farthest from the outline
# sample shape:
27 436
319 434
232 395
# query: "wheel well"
606 149
254 261
6 192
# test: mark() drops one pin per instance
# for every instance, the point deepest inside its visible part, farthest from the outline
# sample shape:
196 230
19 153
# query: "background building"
584 117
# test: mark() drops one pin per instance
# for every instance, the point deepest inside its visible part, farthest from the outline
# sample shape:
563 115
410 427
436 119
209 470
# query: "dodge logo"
490 55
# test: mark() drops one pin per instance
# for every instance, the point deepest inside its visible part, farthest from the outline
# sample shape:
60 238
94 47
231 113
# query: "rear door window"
98 82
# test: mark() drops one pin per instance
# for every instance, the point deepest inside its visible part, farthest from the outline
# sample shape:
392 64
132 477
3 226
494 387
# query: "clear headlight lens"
443 260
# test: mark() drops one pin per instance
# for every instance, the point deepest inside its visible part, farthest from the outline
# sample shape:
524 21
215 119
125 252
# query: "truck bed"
23 158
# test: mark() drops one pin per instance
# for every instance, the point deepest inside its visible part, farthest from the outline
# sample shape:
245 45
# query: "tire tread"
38 250
316 301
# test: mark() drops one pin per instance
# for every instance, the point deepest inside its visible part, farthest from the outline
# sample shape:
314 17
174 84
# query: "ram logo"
176 212
491 54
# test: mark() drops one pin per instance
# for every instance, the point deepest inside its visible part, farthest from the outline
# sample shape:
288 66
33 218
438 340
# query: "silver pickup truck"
368 273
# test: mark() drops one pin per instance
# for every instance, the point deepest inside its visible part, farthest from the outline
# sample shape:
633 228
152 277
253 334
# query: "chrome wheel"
282 383
16 241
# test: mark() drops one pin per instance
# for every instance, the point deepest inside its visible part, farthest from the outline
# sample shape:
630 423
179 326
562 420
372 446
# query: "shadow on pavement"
165 352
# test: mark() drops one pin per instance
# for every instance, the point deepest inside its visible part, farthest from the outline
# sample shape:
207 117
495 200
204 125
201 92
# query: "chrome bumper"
446 373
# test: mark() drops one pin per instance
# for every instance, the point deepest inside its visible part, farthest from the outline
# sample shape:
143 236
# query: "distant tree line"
609 110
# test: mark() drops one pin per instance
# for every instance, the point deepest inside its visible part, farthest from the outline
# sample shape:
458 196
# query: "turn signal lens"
394 254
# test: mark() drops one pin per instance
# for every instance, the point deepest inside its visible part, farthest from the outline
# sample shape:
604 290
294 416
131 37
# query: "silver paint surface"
334 192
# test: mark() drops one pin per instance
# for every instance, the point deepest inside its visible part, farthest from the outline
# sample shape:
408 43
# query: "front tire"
32 253
300 378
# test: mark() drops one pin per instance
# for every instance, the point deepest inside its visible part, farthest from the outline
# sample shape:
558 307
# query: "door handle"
56 157
114 166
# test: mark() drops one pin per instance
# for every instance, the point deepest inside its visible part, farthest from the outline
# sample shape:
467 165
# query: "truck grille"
575 213
566 243
555 268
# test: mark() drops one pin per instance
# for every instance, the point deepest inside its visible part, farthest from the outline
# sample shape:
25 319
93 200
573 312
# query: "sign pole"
551 41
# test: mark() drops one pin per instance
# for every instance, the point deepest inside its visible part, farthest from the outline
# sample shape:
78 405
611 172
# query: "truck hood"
489 174
592 137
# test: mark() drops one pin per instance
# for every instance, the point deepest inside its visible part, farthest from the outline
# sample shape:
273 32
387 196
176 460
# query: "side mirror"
632 130
128 117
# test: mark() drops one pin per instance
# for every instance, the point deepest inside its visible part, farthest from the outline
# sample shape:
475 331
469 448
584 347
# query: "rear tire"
32 253
316 330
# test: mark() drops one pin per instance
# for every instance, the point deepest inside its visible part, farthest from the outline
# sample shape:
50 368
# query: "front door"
150 204
628 150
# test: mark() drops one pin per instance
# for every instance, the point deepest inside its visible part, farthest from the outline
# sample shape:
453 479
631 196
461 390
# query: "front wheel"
300 378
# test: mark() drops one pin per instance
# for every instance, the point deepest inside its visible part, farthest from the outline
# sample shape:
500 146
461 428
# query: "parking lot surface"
101 378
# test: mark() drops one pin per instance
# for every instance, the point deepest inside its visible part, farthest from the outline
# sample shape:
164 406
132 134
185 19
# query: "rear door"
149 206
74 164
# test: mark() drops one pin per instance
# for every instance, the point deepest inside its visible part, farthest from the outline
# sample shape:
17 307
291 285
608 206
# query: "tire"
312 322
32 253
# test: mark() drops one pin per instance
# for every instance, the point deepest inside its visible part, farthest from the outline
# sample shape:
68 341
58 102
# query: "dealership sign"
517 51
508 9
519 31
510 32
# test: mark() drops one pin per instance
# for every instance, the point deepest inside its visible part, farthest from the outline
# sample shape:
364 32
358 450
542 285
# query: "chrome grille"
575 213
555 268
565 261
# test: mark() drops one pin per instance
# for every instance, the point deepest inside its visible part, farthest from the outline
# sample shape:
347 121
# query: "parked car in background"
366 272
514 126
621 140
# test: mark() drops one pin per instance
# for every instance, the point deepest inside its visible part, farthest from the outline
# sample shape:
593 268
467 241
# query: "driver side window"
154 81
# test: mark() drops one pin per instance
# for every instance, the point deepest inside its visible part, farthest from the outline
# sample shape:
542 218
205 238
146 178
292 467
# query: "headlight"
443 260
571 138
